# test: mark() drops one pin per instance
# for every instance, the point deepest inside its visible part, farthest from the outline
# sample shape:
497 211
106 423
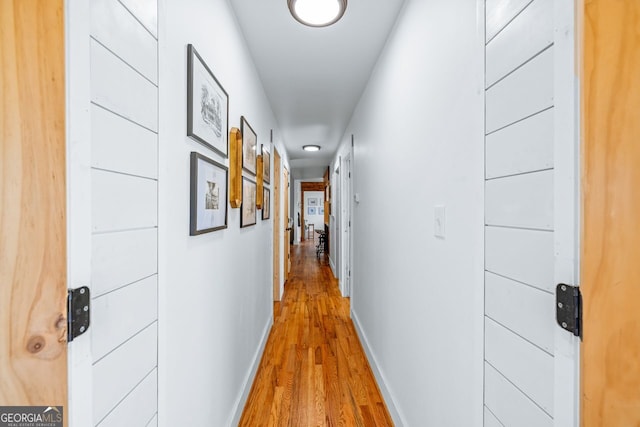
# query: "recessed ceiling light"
311 148
317 13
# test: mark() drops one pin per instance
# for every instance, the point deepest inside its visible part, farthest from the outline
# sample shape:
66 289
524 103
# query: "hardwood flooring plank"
314 371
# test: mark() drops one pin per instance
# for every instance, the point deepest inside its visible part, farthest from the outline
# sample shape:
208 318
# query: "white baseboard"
397 418
248 381
333 267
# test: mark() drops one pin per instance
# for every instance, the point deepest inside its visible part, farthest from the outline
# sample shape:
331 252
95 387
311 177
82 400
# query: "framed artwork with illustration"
207 105
208 195
266 165
311 210
248 211
249 146
266 204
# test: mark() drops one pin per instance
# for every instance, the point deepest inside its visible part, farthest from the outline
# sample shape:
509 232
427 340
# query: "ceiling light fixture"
317 13
311 148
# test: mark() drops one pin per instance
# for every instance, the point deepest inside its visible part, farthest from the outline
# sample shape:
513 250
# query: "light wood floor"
313 371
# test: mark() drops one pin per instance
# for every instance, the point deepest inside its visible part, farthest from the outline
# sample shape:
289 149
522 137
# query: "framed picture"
312 201
311 210
208 195
266 165
248 214
207 105
249 146
266 203
321 210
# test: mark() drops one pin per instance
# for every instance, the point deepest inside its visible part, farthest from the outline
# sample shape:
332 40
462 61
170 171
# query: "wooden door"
610 270
33 288
276 225
286 225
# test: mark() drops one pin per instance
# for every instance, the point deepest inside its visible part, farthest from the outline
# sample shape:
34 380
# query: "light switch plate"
439 221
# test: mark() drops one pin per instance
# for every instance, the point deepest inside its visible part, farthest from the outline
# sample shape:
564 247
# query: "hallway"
314 371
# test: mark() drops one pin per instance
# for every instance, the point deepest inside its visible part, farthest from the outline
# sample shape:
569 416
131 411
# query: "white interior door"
530 212
346 225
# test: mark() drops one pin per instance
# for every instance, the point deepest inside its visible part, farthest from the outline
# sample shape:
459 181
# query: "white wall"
417 300
215 295
318 219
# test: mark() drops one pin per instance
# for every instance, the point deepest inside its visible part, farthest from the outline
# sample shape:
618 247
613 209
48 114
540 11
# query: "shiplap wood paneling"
500 12
512 407
122 258
153 422
116 375
490 420
521 201
138 408
122 146
524 92
122 313
527 35
117 29
146 11
526 146
522 255
123 202
119 88
527 311
519 213
124 160
528 367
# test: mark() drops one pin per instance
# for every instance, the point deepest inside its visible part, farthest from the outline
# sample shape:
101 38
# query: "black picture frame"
207 105
249 146
266 204
248 210
209 190
266 165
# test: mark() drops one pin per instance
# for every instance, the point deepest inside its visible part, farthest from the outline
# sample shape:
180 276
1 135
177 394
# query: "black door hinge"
569 308
78 312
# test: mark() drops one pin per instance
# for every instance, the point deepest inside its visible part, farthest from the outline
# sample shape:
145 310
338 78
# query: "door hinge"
78 312
569 308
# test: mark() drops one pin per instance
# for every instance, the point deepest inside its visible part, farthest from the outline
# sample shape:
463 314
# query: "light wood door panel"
33 289
285 217
610 272
276 225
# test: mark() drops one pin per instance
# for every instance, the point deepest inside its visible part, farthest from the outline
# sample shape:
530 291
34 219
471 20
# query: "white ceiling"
314 77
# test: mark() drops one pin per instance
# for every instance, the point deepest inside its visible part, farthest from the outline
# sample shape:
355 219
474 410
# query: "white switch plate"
439 221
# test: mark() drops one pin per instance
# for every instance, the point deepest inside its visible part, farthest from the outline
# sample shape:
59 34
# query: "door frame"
307 186
566 206
79 248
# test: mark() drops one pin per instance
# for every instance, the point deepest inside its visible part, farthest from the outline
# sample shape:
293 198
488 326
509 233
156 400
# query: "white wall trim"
566 204
79 408
241 400
396 416
333 268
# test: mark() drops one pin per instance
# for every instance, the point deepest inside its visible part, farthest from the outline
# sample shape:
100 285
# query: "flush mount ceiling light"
317 13
311 148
